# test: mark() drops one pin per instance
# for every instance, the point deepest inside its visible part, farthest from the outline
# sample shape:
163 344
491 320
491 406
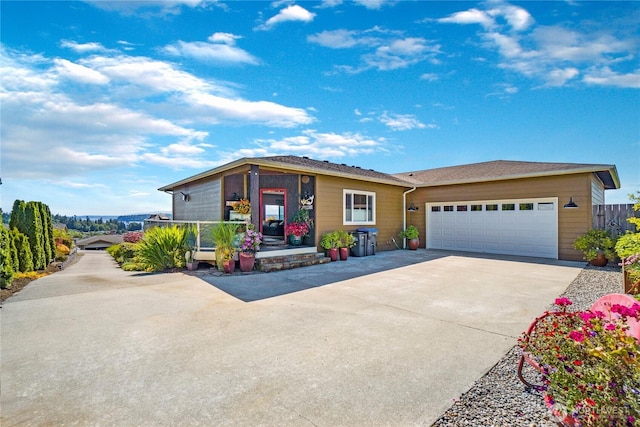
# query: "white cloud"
430 77
606 77
471 16
226 38
149 8
330 3
559 77
75 131
372 4
224 52
401 122
79 73
318 145
553 54
336 39
288 14
82 47
518 18
386 50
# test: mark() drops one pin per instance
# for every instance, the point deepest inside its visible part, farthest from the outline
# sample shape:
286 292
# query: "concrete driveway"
318 346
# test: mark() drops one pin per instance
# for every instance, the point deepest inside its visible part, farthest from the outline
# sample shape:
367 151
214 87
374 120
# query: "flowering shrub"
242 207
133 236
590 365
631 266
298 229
251 242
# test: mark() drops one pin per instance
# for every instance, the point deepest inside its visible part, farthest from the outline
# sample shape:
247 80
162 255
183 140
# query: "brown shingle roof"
477 172
326 167
301 165
504 169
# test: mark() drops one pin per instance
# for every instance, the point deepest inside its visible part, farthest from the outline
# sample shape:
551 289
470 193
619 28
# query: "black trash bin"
372 239
360 247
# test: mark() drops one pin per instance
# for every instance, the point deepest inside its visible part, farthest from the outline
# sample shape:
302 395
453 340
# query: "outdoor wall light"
571 204
185 196
412 208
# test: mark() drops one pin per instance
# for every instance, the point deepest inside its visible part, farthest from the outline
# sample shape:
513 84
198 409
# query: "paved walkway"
321 346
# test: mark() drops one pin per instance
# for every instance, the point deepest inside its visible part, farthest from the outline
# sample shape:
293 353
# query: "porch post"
254 195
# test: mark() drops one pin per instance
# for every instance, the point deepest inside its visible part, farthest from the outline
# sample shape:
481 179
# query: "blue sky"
103 102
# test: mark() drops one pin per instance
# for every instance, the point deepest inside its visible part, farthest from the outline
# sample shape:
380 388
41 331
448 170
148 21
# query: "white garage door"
526 227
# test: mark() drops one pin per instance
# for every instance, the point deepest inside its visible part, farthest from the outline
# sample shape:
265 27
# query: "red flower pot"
247 261
413 244
333 254
229 266
344 254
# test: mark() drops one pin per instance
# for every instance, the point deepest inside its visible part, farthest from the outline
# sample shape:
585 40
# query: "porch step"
287 262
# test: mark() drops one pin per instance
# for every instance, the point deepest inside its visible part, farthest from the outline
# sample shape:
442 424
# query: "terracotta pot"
344 254
599 261
247 261
228 266
413 244
333 254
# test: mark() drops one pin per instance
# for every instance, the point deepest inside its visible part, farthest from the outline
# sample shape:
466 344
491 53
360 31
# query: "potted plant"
227 260
411 233
597 246
248 248
345 242
223 235
191 263
589 364
296 231
329 243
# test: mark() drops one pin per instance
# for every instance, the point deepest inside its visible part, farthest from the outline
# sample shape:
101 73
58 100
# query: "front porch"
271 257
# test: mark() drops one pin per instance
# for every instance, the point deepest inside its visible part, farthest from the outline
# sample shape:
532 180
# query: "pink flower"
586 316
561 302
576 336
610 327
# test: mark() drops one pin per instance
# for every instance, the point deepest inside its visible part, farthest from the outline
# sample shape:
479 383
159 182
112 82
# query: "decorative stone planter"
295 240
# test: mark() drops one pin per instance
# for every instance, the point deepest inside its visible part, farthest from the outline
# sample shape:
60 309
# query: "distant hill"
139 217
123 218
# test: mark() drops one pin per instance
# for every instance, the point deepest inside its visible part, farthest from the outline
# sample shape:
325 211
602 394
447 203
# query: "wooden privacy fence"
614 218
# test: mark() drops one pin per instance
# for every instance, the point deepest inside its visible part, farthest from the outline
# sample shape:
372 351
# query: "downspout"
404 214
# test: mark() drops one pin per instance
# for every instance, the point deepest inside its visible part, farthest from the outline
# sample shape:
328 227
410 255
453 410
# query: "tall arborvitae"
17 219
25 257
49 222
6 269
35 233
47 234
13 251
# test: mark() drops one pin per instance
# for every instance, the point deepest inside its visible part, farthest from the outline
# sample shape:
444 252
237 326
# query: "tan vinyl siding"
205 201
329 205
571 222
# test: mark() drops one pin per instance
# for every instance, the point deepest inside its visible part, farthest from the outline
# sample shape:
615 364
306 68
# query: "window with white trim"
359 207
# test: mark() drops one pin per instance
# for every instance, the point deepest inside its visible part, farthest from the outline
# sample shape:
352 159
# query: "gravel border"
499 399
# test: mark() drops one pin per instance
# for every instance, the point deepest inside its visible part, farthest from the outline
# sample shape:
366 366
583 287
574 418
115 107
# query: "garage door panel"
525 230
